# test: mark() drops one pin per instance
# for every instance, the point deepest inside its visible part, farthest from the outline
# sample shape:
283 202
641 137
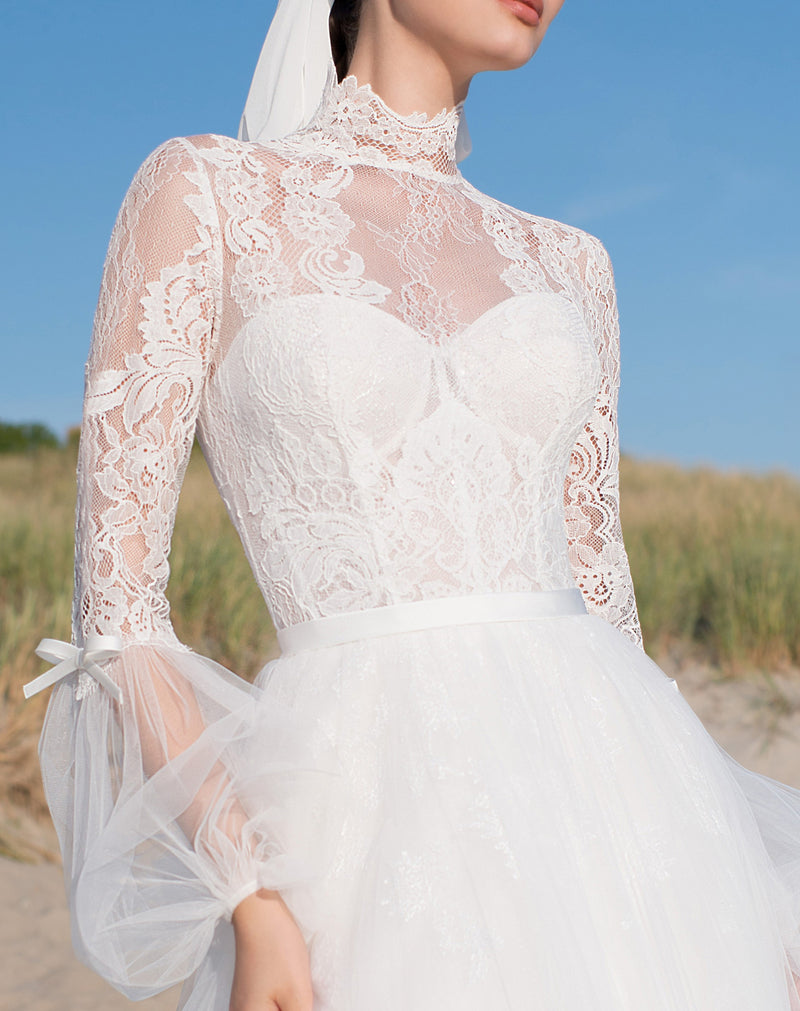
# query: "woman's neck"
416 78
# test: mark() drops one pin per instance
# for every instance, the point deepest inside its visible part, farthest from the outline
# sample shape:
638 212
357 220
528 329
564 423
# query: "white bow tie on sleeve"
69 659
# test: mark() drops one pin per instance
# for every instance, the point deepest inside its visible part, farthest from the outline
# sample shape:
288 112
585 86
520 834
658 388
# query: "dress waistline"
415 615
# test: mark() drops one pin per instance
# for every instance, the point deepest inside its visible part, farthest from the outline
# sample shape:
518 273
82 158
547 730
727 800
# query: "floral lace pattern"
404 388
353 121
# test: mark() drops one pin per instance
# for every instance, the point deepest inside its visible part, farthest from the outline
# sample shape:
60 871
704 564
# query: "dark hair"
343 28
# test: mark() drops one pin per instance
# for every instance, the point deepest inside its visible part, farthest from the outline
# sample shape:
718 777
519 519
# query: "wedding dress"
470 783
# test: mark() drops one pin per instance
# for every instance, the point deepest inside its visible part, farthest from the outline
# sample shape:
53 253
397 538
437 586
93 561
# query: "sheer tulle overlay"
405 390
529 814
508 808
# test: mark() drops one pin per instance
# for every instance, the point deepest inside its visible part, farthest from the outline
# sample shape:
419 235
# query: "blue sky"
669 131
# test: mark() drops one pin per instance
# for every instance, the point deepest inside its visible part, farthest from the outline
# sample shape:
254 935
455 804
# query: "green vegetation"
716 562
24 438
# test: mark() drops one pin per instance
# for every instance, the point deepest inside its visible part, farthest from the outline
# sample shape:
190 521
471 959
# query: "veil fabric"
293 69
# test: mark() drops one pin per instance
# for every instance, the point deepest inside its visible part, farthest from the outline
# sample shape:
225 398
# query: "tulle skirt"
522 815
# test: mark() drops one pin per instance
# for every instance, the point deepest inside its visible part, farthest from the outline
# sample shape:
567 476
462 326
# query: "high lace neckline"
352 120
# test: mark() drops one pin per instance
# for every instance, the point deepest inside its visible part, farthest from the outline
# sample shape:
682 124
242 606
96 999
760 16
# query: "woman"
463 784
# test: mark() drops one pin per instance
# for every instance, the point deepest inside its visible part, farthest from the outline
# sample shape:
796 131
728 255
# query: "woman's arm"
169 801
591 490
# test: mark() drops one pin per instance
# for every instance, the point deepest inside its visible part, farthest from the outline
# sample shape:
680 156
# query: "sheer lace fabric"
404 389
372 351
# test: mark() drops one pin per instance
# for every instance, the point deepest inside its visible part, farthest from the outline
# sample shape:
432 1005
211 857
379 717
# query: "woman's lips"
529 11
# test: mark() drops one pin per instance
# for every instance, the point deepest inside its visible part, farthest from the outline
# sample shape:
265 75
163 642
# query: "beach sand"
756 719
38 971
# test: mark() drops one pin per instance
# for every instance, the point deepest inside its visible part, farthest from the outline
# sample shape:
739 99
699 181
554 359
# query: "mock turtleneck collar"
353 121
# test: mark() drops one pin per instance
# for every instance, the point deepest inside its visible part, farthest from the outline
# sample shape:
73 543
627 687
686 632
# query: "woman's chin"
509 50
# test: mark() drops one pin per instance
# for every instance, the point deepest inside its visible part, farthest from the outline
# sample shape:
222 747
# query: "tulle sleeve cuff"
239 896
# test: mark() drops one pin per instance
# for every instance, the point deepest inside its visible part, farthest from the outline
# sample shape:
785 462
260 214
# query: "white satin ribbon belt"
414 615
70 659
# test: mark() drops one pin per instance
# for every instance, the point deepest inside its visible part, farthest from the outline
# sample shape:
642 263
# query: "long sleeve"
148 360
166 800
591 490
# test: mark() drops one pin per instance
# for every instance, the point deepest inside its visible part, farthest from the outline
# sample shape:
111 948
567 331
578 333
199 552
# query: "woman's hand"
272 969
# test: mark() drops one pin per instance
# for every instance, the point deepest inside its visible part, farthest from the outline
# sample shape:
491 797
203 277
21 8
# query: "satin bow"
69 659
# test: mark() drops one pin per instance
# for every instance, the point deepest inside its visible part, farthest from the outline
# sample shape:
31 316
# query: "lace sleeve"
591 490
161 769
144 377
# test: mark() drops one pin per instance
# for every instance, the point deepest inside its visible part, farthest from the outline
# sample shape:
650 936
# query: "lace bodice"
404 388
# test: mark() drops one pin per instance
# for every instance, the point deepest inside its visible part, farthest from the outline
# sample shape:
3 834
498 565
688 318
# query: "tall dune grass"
715 560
